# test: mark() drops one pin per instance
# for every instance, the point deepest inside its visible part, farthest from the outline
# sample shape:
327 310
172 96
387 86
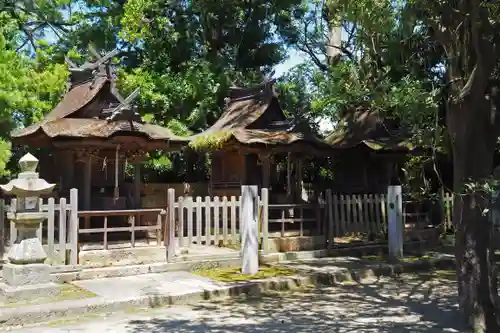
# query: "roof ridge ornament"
91 70
124 111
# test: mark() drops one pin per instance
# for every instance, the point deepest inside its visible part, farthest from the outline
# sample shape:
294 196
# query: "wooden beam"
300 148
132 143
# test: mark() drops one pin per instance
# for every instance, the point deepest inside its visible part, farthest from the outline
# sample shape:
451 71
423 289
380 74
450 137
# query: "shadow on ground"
411 303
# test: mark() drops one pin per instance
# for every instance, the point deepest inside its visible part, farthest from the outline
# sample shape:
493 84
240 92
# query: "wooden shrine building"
91 138
368 151
250 137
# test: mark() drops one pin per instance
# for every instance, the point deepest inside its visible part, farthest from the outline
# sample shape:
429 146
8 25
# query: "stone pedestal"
395 221
249 230
27 283
24 275
27 249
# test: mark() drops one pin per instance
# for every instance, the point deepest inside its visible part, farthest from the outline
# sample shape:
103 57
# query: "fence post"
329 207
13 229
169 238
62 229
2 229
395 221
39 230
50 227
265 219
73 225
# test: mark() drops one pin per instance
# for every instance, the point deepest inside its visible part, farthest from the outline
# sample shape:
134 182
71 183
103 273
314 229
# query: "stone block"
292 244
27 251
23 275
16 294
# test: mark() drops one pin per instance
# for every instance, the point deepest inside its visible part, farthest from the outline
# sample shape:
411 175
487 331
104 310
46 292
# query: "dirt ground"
410 303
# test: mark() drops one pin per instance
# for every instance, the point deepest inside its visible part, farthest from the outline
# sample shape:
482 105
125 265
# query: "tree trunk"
333 49
473 138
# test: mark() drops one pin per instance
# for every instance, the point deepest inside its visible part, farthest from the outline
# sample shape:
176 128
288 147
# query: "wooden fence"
59 234
189 221
136 219
216 221
356 213
212 220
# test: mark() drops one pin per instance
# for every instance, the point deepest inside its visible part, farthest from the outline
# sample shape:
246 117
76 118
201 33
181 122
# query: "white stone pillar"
249 230
395 221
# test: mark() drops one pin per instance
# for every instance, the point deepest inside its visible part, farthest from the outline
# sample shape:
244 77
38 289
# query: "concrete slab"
129 287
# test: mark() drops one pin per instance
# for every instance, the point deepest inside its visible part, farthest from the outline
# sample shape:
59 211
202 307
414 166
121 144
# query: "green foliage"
159 162
5 155
297 96
29 88
416 186
182 55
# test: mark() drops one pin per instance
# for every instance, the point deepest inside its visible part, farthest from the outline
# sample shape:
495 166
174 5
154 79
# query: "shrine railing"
135 219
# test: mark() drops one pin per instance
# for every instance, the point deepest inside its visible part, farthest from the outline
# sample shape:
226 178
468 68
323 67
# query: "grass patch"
73 321
68 292
405 259
233 274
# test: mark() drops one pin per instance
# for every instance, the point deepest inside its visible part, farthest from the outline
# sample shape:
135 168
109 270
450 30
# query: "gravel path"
411 303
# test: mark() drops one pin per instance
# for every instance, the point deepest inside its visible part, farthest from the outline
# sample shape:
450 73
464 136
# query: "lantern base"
24 275
27 251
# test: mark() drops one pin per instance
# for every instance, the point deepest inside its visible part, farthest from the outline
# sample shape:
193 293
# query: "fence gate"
58 234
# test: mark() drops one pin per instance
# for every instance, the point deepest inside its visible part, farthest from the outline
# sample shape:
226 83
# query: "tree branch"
308 49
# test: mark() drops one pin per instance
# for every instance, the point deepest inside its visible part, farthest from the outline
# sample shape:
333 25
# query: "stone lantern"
27 255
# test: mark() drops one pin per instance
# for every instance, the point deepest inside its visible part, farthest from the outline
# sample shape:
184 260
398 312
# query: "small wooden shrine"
368 151
92 137
250 137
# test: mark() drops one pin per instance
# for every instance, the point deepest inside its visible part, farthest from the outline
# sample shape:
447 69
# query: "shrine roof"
93 108
253 116
361 126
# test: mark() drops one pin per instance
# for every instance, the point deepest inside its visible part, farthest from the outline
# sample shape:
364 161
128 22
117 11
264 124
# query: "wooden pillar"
298 178
87 186
289 175
250 165
211 173
137 184
266 170
70 161
389 171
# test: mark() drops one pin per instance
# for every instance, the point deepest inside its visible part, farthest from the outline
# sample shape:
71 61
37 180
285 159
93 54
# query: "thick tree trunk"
473 138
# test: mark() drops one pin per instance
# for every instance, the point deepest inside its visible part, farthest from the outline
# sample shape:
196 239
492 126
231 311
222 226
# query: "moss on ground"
73 320
440 274
68 292
405 259
233 274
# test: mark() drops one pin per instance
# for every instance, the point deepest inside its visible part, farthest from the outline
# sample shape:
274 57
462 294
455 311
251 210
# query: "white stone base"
23 275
